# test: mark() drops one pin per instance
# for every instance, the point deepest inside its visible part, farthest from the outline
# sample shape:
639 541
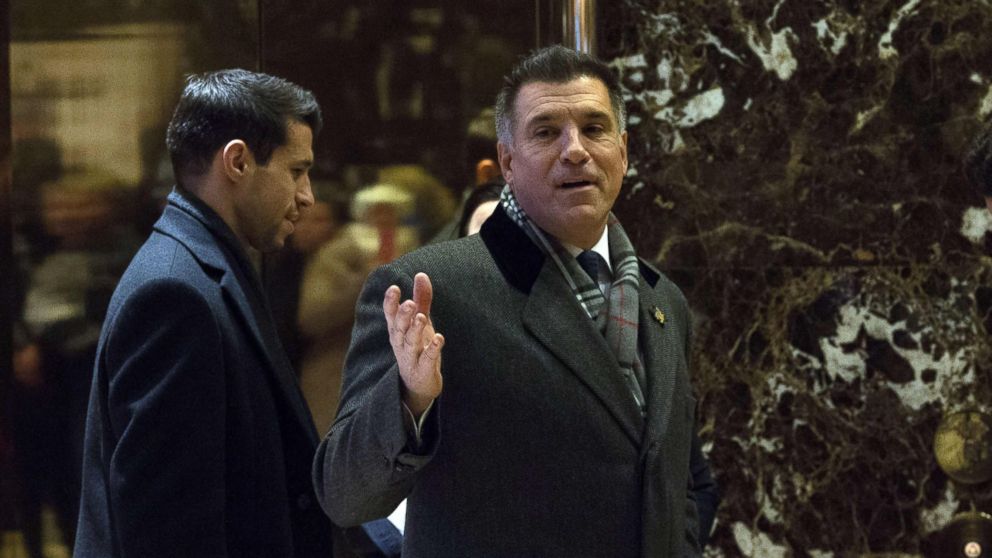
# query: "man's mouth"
576 184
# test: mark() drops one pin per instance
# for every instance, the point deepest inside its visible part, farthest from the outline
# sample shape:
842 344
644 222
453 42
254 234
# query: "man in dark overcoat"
198 441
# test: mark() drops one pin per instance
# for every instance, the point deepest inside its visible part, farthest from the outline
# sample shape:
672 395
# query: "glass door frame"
6 225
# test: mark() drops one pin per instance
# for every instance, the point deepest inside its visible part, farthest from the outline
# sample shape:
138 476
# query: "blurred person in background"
433 202
284 269
478 206
85 250
481 170
332 280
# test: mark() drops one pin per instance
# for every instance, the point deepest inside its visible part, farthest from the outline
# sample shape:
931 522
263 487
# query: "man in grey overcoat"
532 398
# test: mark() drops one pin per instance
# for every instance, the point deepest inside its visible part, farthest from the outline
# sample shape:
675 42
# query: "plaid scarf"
617 319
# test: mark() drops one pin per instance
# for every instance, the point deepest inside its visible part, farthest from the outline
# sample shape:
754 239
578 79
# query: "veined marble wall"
796 169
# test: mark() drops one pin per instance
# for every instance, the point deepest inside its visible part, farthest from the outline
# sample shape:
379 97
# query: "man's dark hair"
218 107
554 64
978 162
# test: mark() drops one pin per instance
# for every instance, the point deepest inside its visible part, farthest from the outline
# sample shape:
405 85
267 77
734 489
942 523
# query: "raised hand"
416 345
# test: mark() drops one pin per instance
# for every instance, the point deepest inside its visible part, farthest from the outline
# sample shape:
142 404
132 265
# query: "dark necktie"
589 260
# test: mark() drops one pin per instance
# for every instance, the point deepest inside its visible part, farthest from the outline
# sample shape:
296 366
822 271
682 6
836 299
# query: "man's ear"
237 160
623 150
505 154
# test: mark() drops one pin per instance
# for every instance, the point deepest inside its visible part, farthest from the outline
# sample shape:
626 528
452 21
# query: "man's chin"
271 245
579 229
277 244
590 215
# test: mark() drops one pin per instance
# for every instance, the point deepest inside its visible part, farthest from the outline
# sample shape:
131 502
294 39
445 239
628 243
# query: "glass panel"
400 84
93 84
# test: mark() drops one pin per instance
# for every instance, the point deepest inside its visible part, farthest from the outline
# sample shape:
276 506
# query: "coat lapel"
183 222
660 347
555 318
277 364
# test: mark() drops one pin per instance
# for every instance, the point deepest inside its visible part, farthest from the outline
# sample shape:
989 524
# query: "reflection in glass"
398 81
92 88
332 280
403 87
93 84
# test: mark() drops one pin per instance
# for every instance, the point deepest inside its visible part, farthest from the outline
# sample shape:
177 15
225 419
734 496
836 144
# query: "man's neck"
213 195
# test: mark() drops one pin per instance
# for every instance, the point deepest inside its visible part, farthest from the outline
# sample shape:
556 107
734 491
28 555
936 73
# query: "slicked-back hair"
554 64
978 162
218 107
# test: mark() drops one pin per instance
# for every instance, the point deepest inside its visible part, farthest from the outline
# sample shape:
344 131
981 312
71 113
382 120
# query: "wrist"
416 403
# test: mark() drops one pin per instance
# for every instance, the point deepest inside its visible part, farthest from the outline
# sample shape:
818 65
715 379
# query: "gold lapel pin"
659 315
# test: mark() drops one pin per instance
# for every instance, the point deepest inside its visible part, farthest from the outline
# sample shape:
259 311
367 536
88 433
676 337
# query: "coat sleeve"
166 409
694 538
364 466
704 488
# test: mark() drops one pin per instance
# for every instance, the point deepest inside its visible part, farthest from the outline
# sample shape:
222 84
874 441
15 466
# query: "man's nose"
573 151
304 195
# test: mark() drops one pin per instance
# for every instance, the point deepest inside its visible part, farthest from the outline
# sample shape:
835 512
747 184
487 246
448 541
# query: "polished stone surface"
796 169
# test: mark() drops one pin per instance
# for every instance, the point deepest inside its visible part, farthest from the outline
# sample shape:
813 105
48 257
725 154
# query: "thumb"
423 293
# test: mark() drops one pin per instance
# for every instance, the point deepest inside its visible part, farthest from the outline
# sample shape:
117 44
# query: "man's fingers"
415 344
429 366
414 334
423 293
391 304
432 351
404 317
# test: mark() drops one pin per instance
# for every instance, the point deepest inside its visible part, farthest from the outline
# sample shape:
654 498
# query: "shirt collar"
602 247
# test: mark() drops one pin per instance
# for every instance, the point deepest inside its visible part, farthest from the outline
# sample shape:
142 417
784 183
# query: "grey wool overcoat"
536 446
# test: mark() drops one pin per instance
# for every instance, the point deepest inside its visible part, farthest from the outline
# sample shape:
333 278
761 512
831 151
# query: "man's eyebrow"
545 117
597 115
541 118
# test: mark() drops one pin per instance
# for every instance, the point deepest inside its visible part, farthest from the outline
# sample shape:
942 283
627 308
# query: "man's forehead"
299 140
586 94
588 85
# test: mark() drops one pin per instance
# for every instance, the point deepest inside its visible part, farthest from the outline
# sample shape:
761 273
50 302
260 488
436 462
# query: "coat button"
304 501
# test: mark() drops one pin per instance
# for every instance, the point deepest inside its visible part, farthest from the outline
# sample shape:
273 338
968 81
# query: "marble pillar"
795 166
